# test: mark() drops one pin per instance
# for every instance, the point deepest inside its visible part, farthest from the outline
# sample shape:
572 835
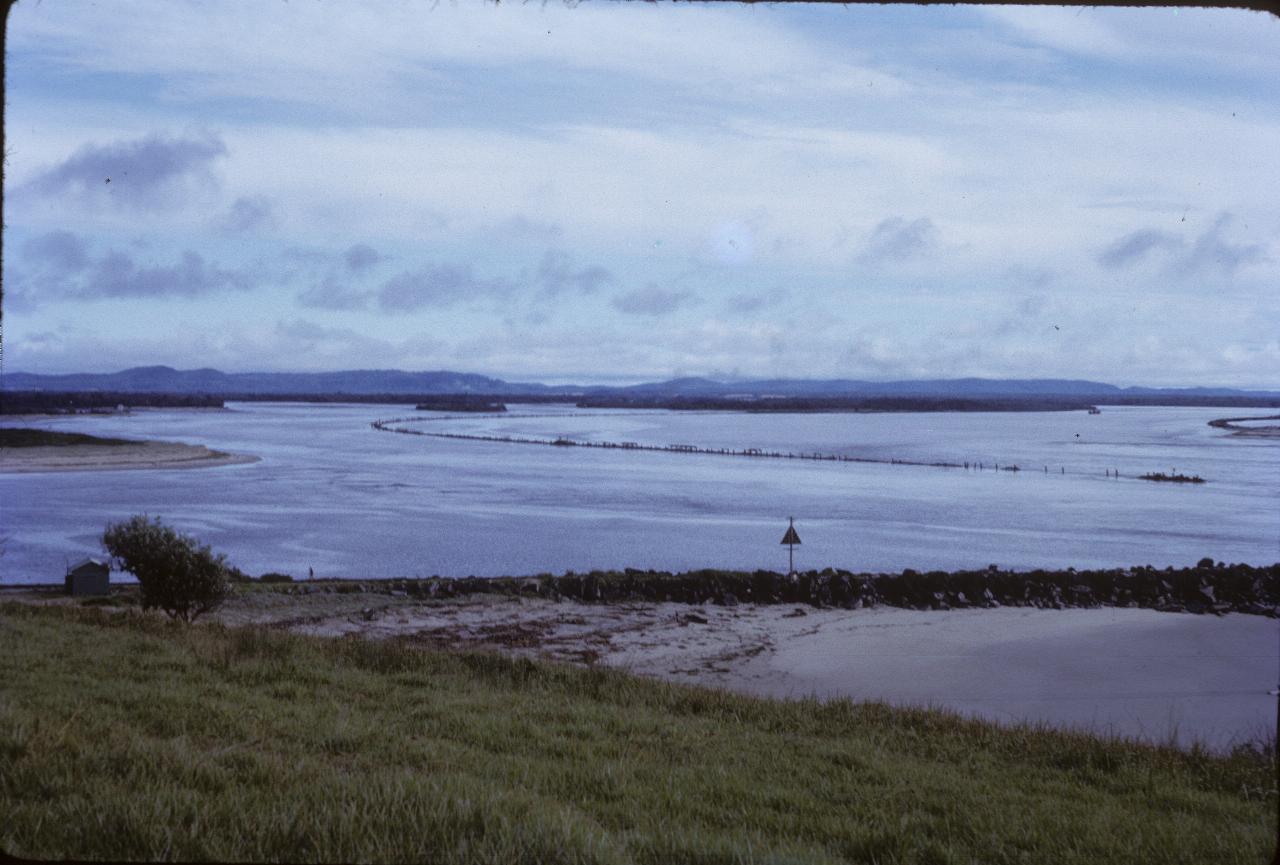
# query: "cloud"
1031 305
117 275
1022 275
556 274
333 289
59 263
651 300
146 173
361 257
895 239
50 264
60 252
1062 30
316 336
744 304
870 355
1211 251
1135 246
247 214
331 294
435 286
521 228
320 347
296 55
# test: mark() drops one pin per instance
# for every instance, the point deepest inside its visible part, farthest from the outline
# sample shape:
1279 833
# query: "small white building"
89 577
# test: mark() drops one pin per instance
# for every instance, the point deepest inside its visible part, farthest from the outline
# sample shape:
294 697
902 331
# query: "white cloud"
362 56
1079 30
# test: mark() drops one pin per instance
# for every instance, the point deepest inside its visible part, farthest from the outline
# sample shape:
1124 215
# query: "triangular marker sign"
791 537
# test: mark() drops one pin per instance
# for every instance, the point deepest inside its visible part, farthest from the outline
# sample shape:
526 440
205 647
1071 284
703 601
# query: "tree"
176 573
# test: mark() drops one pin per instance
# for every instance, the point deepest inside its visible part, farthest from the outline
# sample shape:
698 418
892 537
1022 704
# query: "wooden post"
791 569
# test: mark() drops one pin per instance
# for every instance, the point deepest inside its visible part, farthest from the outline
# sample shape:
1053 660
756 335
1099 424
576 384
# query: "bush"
273 577
175 572
101 601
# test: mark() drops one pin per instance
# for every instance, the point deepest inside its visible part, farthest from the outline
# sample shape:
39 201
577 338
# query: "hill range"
164 379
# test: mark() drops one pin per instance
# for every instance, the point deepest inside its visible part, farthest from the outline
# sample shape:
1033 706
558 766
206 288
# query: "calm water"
334 495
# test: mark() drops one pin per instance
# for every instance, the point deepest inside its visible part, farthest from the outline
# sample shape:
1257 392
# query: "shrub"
102 601
274 577
175 572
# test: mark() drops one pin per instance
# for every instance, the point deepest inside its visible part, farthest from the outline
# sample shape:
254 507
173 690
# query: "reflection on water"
333 494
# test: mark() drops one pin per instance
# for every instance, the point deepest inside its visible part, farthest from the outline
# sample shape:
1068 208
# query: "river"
334 495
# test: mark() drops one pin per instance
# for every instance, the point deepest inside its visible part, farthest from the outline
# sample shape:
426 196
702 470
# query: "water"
1162 677
332 494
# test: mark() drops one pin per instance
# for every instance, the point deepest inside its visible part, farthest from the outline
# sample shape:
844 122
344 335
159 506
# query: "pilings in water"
390 425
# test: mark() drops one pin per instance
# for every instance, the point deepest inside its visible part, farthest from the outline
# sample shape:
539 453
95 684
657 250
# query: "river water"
333 494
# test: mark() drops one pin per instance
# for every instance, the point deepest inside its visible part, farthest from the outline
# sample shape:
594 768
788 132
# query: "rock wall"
1206 588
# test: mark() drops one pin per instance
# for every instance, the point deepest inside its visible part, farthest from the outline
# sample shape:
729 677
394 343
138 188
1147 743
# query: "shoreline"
1127 672
1232 424
145 455
1108 671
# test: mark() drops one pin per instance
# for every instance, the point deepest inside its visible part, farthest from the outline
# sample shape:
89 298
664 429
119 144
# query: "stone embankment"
1206 588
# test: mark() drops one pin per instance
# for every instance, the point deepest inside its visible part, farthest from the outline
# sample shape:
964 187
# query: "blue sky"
618 192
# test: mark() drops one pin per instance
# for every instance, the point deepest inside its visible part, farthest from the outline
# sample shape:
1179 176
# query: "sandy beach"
1133 672
141 455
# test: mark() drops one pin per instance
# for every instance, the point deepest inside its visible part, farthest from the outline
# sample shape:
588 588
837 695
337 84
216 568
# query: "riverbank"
1126 672
1141 673
247 744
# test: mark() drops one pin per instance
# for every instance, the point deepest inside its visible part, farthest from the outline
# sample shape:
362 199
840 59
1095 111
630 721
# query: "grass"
124 736
23 437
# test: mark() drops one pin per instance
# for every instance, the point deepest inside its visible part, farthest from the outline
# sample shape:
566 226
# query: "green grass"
23 437
124 736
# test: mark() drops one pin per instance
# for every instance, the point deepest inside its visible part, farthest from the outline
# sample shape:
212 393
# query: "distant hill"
154 379
164 379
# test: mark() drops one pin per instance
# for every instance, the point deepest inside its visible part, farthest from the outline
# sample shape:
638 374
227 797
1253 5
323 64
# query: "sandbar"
140 455
1136 673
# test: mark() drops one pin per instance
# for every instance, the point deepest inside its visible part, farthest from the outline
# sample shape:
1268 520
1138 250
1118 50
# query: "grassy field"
23 437
124 736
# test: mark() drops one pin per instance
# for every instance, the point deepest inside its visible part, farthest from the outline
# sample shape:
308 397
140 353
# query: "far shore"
26 417
136 455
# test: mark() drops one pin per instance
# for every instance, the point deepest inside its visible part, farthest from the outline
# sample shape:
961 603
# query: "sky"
615 192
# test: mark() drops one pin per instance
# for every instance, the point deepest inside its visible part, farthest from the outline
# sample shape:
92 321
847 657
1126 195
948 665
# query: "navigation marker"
791 539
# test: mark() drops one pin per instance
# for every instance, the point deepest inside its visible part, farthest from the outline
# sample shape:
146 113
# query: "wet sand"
142 455
1131 672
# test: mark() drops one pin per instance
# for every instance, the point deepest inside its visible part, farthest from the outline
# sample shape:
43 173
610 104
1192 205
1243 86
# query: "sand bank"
142 455
1132 672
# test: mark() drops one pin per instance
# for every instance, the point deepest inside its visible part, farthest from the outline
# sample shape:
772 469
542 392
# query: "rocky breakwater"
1208 587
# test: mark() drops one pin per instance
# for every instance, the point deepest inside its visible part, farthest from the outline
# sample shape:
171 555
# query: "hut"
89 577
